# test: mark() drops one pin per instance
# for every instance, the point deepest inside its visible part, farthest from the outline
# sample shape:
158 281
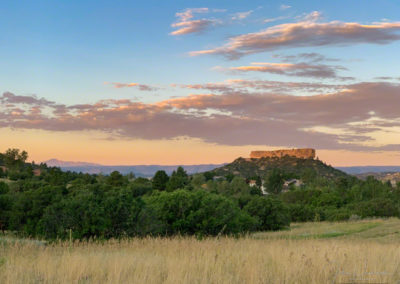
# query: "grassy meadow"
365 251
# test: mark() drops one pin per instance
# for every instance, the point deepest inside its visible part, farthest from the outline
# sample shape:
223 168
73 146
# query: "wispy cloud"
305 56
387 78
270 20
141 87
242 15
284 7
187 25
290 69
307 32
252 86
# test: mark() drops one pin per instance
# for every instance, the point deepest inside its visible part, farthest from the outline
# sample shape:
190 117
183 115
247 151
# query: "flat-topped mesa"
306 153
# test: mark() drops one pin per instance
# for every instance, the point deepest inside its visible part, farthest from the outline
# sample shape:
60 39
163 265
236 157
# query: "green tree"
116 179
5 204
274 181
160 180
270 213
197 212
1 159
198 180
301 213
14 159
308 175
178 180
378 207
229 177
83 213
209 175
122 210
140 186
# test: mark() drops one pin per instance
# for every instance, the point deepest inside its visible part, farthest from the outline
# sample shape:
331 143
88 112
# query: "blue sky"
66 50
214 73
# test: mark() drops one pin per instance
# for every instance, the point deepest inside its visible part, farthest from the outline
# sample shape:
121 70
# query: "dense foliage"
54 204
39 201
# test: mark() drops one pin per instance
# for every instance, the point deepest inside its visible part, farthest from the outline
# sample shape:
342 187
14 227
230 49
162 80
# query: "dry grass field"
349 252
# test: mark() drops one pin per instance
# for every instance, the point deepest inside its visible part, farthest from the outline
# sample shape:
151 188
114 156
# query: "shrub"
301 213
269 212
337 214
377 207
196 212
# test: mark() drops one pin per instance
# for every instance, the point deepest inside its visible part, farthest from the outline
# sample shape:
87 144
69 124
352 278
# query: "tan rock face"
306 153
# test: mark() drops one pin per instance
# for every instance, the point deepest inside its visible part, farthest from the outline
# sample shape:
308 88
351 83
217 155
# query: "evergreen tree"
160 180
178 180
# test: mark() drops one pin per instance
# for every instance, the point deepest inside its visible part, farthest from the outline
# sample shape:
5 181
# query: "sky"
179 82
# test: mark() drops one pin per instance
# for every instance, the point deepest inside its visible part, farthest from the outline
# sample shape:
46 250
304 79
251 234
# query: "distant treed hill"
248 168
393 177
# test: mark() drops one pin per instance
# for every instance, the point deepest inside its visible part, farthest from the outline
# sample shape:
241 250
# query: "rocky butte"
306 153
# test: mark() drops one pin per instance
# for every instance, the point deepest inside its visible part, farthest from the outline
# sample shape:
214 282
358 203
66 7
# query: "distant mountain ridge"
369 169
60 163
138 170
149 170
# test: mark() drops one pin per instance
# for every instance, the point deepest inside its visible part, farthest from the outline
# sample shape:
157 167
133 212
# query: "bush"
337 214
377 207
270 213
196 212
301 213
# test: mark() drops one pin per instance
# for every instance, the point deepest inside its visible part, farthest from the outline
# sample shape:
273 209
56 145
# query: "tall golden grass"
212 260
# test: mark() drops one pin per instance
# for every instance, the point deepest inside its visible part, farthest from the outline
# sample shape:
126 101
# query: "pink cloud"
187 25
229 117
307 32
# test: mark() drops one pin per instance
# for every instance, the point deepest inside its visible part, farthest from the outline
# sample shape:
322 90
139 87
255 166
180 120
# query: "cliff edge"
306 153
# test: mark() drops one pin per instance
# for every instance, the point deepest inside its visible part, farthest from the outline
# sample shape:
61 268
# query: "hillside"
260 167
393 177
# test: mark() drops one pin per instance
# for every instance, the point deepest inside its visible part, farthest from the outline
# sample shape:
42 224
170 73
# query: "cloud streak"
305 56
242 15
284 7
252 86
307 32
290 69
141 87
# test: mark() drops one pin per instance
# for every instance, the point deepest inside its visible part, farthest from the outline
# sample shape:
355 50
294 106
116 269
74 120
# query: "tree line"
55 203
